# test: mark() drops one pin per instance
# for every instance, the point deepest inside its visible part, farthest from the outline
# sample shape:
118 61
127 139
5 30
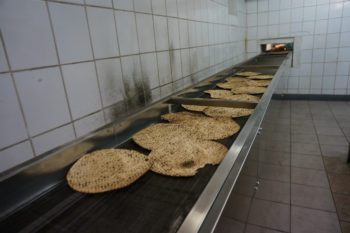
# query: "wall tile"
332 40
82 88
185 61
183 33
111 81
15 155
182 8
335 10
171 8
28 39
345 24
105 3
43 99
164 67
334 25
3 63
297 15
343 68
12 126
143 6
328 82
344 54
317 69
161 33
89 124
263 5
322 12
149 70
158 7
330 68
174 38
344 39
70 22
263 18
321 27
252 6
127 35
318 55
132 76
175 61
123 4
341 82
145 32
346 9
309 13
103 33
53 139
320 41
331 55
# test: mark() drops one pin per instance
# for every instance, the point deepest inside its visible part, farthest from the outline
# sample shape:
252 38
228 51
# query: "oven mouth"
277 47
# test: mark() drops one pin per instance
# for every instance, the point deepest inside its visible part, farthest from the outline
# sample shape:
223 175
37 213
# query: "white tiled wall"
68 67
322 31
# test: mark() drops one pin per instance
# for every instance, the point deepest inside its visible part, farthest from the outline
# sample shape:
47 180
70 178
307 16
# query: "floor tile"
237 207
275 136
307 220
250 168
312 197
309 177
305 138
339 183
275 146
303 129
272 172
346 131
343 206
345 226
336 165
256 229
307 161
229 225
335 151
306 148
270 214
325 123
245 185
329 131
274 157
273 191
333 140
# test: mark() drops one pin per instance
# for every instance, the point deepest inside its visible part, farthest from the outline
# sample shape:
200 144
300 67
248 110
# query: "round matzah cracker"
180 116
106 170
159 134
208 128
195 108
247 73
186 158
227 112
248 90
260 77
227 95
230 85
236 79
258 83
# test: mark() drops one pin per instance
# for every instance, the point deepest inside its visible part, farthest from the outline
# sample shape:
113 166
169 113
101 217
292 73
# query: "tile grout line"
2 41
60 68
95 66
290 169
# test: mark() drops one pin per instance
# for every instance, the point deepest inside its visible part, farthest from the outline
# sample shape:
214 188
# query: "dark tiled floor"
295 178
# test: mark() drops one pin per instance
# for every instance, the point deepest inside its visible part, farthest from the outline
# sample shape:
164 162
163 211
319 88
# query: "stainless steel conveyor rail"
207 211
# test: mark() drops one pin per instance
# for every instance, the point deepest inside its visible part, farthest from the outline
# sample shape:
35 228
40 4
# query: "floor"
296 178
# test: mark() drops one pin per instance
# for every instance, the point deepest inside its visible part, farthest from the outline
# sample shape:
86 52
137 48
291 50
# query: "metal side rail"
207 210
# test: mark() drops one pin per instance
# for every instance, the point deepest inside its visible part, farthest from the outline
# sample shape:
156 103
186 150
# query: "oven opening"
277 48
